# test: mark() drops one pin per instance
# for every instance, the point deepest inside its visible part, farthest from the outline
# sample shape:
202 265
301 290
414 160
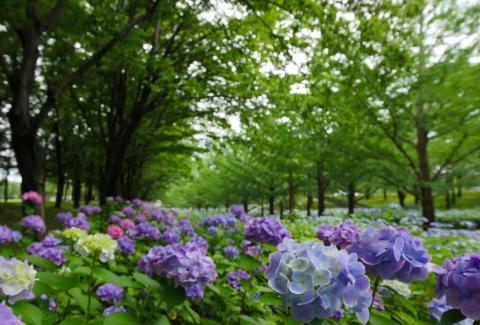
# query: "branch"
49 18
450 156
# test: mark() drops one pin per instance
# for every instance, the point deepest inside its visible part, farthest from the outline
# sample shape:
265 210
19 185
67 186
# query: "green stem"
375 287
89 294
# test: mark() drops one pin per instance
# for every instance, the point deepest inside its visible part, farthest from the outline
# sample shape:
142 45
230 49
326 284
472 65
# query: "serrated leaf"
120 318
30 314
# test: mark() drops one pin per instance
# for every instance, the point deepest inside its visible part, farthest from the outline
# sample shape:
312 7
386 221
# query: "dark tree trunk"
401 198
60 188
351 198
321 187
67 188
291 192
59 162
309 204
426 192
262 208
5 189
459 186
384 194
281 209
453 195
76 192
416 198
448 201
245 205
271 204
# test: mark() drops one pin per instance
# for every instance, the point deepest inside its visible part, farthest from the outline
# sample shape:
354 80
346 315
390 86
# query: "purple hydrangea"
231 251
235 278
110 293
137 202
237 210
118 199
48 249
342 236
188 265
186 227
7 235
63 216
267 230
392 253
213 230
171 237
126 245
459 282
198 242
128 211
437 307
35 223
324 232
113 309
8 317
256 296
89 209
78 222
114 219
145 230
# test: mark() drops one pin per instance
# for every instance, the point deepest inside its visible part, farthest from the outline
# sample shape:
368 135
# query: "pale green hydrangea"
398 286
100 245
16 278
74 233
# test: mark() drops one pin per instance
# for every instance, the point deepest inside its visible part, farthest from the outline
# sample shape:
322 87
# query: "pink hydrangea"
127 224
115 231
33 197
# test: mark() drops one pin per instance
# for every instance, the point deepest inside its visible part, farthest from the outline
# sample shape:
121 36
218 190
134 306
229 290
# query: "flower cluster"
145 230
126 245
231 251
235 278
126 224
8 235
115 231
342 236
99 244
63 216
459 281
89 210
113 309
48 248
188 265
171 237
77 222
229 223
110 293
33 197
35 223
74 233
8 317
317 279
16 279
437 307
392 253
266 230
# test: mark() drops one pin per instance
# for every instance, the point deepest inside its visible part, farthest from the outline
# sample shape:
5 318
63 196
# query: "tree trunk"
309 204
321 187
401 198
426 192
351 198
459 186
271 204
291 192
384 194
453 195
281 209
76 192
262 208
5 189
448 201
245 205
60 188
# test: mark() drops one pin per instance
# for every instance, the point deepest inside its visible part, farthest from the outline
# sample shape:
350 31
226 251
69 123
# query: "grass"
11 211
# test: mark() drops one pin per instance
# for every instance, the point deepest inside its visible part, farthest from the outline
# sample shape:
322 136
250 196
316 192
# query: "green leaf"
72 320
41 262
146 281
206 321
82 300
452 316
30 314
58 281
377 318
248 263
174 296
270 298
120 319
162 320
247 320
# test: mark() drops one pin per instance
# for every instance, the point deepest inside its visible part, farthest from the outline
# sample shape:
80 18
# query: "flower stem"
375 287
89 293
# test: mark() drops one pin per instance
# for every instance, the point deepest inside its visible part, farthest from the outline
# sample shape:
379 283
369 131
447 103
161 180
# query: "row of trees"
110 96
388 100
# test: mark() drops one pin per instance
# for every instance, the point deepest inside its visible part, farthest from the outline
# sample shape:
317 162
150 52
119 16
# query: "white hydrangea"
100 245
16 279
398 286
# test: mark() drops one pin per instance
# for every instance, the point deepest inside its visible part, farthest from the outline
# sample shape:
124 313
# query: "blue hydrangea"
317 280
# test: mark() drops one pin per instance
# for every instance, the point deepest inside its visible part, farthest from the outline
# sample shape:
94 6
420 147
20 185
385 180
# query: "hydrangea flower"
110 293
459 282
48 249
137 202
317 279
8 235
113 309
126 245
8 317
342 236
145 230
74 233
77 222
231 251
114 219
35 223
16 279
266 230
237 210
188 265
437 307
128 211
126 224
32 196
235 278
89 209
170 237
392 253
100 245
63 216
115 231
186 227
